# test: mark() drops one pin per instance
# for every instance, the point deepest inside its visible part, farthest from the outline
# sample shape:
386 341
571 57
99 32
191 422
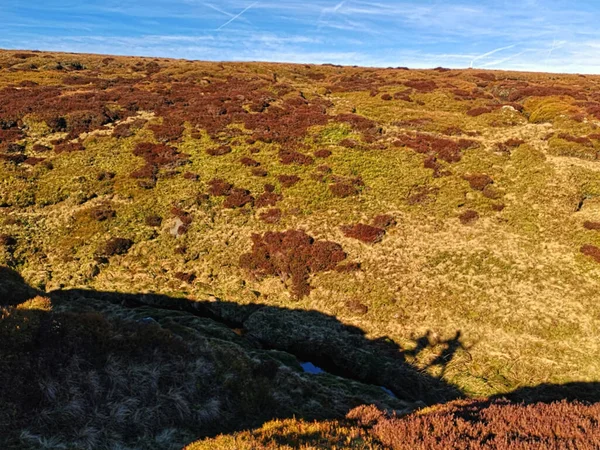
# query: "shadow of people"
88 368
85 368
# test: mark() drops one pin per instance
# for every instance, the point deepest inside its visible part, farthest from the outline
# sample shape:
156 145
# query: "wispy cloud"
513 34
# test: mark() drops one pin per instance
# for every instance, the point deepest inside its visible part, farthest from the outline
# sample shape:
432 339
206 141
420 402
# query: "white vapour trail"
237 15
218 9
490 53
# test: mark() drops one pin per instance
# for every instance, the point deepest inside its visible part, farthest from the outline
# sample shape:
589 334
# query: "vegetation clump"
116 246
468 217
478 181
592 251
288 181
365 233
292 255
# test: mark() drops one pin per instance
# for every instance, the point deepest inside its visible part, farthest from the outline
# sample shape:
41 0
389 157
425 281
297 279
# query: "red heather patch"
249 162
364 233
169 131
293 157
469 216
268 199
442 148
591 251
10 135
288 180
343 190
219 187
291 254
238 198
479 111
348 267
478 181
259 172
323 153
219 151
384 221
271 216
423 86
506 146
544 91
157 156
588 225
68 147
576 139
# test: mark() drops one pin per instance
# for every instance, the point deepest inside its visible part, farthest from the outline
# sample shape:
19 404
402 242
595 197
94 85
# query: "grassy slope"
514 282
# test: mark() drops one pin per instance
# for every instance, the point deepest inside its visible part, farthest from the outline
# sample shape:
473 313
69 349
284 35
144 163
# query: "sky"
548 35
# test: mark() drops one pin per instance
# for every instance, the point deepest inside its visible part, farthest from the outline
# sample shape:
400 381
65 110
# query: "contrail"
500 61
218 9
237 15
491 53
338 6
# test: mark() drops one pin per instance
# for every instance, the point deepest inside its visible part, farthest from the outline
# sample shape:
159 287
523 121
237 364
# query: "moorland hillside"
435 232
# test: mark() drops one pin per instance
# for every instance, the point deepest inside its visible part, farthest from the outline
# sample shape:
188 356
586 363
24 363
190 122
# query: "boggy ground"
412 204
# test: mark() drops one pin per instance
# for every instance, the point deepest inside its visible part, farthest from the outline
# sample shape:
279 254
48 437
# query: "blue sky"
553 35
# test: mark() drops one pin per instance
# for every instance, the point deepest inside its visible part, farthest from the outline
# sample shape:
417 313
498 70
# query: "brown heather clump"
293 157
191 176
153 220
323 153
443 148
268 199
272 215
384 221
355 306
592 251
343 190
589 225
102 213
185 277
157 156
116 246
249 162
478 181
219 151
386 97
288 181
69 147
218 187
468 217
479 111
486 425
259 172
123 130
39 148
423 86
576 139
364 233
498 207
508 145
348 267
291 255
238 198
